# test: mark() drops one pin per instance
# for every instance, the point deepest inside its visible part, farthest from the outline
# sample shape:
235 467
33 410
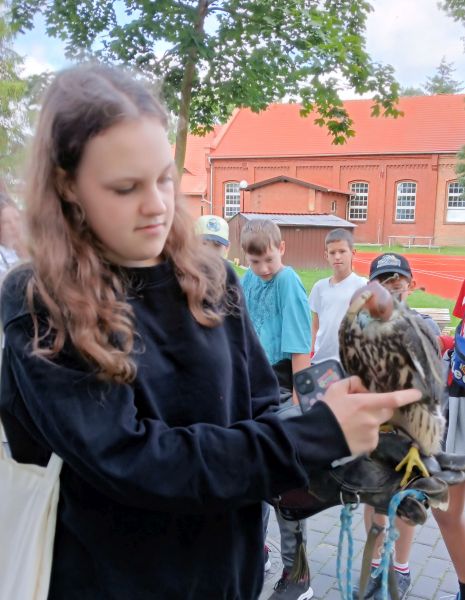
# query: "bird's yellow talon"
386 428
412 459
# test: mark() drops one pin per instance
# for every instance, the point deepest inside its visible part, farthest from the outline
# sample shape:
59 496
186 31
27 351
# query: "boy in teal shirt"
278 307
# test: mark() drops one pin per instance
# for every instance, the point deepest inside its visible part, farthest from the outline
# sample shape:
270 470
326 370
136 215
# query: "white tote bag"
28 510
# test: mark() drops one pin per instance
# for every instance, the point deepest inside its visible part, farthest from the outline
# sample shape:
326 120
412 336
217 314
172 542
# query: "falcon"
390 348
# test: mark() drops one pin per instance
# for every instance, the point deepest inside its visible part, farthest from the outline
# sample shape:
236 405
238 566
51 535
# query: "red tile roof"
430 124
287 179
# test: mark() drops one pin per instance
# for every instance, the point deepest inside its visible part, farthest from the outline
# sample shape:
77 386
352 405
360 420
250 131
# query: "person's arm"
142 462
95 427
314 305
295 314
431 324
315 327
299 362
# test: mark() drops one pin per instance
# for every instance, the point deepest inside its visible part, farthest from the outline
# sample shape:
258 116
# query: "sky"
411 35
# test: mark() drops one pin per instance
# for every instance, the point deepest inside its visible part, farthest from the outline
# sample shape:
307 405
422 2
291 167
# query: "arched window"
455 202
358 202
232 199
406 201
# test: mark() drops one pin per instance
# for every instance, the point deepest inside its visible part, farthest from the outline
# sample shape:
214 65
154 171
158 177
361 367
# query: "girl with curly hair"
128 354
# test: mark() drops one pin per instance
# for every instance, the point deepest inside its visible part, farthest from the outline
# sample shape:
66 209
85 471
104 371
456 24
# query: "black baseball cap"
390 263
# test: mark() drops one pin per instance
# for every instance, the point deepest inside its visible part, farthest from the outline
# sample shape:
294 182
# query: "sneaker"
373 585
373 589
289 590
267 566
404 583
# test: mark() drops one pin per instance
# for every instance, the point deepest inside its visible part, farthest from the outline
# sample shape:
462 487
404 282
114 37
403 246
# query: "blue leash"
388 546
391 536
346 530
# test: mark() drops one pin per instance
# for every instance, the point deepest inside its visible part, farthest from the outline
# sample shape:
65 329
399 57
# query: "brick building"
304 236
395 179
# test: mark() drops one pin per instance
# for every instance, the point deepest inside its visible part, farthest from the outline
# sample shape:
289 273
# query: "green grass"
309 278
446 250
420 299
417 299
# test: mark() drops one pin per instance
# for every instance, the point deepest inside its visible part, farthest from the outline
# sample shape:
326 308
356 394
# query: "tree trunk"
186 90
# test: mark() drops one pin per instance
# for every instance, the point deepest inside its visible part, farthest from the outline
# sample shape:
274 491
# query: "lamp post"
242 186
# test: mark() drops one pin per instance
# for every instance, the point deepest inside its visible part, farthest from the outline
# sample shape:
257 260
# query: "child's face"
125 187
339 255
266 265
11 227
221 249
400 286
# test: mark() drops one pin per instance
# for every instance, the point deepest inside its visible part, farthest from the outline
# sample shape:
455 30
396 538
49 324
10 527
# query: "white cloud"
35 66
413 36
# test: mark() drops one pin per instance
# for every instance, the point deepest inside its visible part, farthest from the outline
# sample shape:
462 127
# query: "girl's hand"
360 413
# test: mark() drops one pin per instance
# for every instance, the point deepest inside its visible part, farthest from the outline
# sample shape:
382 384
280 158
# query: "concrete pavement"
433 575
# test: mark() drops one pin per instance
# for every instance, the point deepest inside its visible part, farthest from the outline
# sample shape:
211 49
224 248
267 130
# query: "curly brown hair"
83 295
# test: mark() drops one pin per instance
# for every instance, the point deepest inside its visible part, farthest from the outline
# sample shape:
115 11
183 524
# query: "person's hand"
360 413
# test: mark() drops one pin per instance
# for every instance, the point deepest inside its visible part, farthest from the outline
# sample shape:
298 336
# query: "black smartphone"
311 383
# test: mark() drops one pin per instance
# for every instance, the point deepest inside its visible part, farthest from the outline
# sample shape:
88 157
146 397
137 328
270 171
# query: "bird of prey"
390 348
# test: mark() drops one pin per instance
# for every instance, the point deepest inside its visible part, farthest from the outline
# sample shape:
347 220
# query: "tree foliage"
214 55
12 92
442 82
411 90
455 9
460 168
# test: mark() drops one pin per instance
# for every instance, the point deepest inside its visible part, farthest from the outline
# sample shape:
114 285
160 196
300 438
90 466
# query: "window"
333 206
455 202
406 201
232 199
358 202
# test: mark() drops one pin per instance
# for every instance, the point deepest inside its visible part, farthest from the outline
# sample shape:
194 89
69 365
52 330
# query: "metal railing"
412 240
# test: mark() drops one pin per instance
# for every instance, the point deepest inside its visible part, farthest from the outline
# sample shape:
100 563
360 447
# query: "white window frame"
232 199
406 201
455 202
358 201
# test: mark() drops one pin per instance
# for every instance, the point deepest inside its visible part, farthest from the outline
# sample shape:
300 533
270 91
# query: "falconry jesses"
383 342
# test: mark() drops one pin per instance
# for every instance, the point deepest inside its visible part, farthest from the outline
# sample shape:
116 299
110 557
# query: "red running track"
438 274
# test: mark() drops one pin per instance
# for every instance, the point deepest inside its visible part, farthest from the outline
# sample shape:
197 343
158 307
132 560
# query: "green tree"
460 168
12 92
455 9
411 90
442 82
214 55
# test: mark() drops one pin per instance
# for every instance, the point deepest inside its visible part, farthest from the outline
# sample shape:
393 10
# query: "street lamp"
242 186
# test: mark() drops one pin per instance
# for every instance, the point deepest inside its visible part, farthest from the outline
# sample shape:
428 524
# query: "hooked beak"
375 299
359 300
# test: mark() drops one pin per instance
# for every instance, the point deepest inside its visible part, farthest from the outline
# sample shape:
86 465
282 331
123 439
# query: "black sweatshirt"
162 479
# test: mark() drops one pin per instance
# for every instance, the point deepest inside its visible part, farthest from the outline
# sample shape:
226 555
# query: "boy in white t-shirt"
330 297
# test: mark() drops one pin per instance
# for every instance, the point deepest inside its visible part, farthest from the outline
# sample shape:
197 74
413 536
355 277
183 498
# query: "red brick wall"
194 206
280 197
445 233
382 173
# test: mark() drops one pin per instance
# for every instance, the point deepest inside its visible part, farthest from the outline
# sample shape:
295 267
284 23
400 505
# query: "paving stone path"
432 573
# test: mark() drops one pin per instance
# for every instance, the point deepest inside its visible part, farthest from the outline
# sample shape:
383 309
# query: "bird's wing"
422 348
342 343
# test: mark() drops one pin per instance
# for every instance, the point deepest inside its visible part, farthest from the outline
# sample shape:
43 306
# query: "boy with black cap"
394 273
